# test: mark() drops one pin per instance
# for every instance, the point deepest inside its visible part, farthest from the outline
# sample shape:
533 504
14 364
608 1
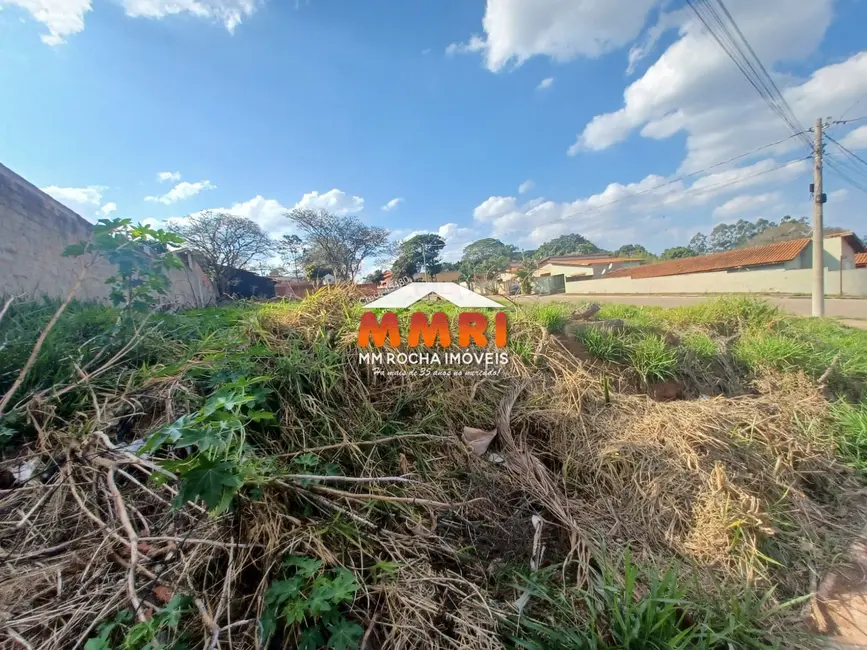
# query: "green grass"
653 359
604 344
626 608
553 316
850 429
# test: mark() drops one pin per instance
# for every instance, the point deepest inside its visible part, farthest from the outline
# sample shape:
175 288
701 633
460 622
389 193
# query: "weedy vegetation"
233 477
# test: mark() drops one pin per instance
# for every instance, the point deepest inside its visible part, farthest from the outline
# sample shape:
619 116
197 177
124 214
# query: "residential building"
584 267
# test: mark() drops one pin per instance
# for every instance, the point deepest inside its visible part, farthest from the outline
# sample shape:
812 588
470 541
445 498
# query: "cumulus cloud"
747 203
516 30
391 205
695 88
228 12
526 186
856 139
62 18
181 191
108 208
84 201
334 201
168 177
655 206
545 83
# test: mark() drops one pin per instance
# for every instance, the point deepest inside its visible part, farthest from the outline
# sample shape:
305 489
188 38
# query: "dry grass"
739 493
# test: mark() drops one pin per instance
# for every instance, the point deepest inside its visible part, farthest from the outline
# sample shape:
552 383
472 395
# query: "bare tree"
223 243
340 243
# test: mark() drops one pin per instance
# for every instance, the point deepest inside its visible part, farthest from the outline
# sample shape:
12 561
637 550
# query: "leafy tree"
141 256
404 267
375 277
487 249
699 244
291 250
424 252
632 250
468 274
223 243
525 276
573 244
677 253
340 243
450 266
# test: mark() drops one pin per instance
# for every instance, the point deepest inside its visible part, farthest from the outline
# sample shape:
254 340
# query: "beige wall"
593 270
34 231
851 282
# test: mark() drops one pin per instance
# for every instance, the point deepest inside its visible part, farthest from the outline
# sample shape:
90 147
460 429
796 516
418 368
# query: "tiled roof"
861 259
590 261
756 256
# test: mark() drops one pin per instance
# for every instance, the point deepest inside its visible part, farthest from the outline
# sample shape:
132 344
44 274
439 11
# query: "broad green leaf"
294 611
307 566
311 639
346 635
209 480
280 591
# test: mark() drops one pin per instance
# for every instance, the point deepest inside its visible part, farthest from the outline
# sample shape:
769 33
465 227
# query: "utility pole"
818 226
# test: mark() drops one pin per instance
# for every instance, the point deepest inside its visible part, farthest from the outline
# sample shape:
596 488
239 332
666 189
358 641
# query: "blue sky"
450 106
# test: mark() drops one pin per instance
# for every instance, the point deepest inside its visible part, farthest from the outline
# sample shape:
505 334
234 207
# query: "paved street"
851 311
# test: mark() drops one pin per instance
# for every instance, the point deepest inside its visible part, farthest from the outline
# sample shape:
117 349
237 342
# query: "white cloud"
165 177
391 205
333 201
62 18
108 208
838 195
545 83
475 44
516 30
84 201
228 12
856 139
526 186
694 87
181 191
747 202
655 208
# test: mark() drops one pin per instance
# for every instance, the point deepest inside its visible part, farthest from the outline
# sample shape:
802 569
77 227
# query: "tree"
342 243
449 266
486 249
677 253
224 243
632 250
525 276
424 252
291 250
375 277
468 274
573 244
699 244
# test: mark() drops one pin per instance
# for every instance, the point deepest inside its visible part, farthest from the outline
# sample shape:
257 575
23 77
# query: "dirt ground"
851 311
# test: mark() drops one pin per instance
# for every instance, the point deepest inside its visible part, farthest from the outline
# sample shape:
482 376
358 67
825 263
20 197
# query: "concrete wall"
851 282
34 231
591 270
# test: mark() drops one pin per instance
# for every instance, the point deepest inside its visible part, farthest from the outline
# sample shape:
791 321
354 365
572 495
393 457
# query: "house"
584 267
386 279
861 260
841 250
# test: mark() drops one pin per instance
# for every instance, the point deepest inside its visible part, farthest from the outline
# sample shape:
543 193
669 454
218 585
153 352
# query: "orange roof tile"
755 256
861 259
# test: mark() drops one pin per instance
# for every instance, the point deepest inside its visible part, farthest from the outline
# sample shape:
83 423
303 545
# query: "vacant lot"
234 477
852 310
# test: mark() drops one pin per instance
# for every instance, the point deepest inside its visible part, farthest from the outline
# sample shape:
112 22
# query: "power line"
722 26
857 101
838 168
854 119
847 152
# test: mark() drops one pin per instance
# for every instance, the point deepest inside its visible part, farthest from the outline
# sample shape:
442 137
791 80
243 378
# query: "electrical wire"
848 152
848 110
722 26
845 176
